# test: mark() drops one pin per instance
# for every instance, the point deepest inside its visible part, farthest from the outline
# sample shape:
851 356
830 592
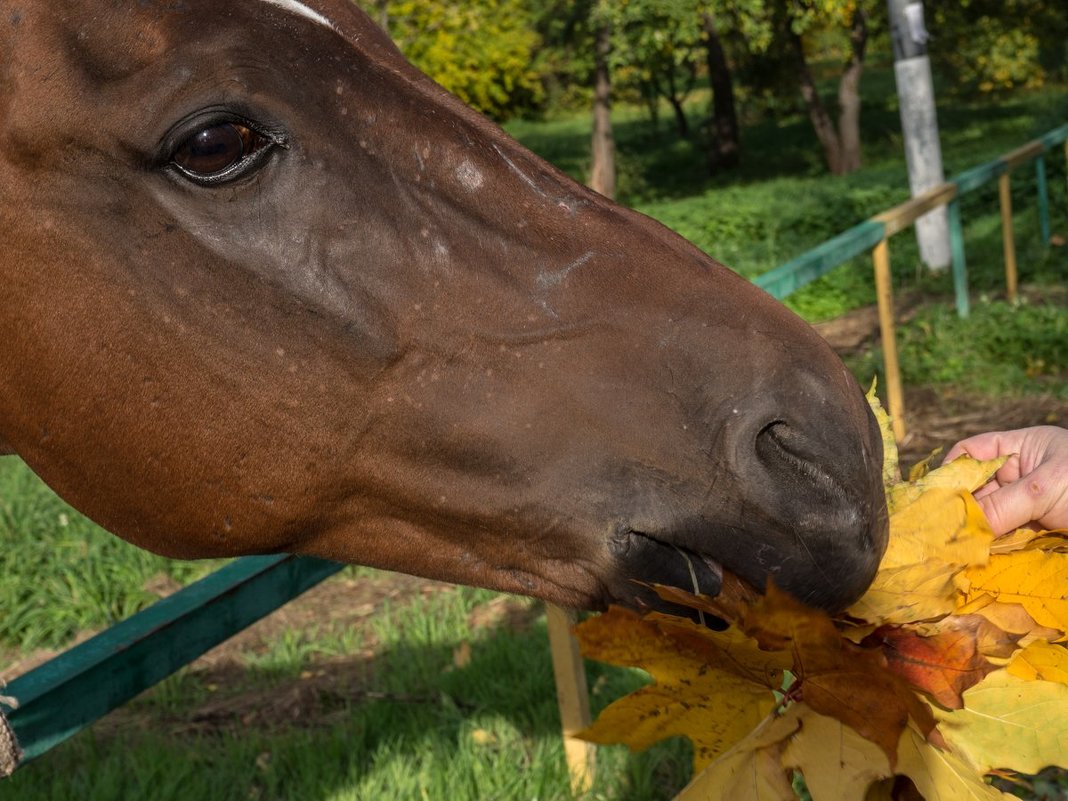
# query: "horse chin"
642 560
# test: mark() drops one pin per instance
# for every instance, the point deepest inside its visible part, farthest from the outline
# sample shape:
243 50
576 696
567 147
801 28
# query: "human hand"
1032 486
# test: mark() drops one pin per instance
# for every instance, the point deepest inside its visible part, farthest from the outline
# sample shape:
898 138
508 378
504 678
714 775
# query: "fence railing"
66 694
873 235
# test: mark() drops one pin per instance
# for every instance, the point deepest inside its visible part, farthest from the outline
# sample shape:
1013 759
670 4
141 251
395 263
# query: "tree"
840 142
989 46
744 27
603 147
725 146
481 51
658 43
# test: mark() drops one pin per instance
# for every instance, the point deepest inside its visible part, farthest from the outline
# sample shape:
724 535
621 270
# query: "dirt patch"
940 418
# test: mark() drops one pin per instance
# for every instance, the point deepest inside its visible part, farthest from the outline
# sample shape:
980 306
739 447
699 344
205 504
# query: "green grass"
61 573
430 729
1001 350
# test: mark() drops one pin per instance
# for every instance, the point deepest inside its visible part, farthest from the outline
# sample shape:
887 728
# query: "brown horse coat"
266 287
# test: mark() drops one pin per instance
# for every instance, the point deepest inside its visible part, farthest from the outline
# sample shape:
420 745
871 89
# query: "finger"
1014 505
1009 472
986 446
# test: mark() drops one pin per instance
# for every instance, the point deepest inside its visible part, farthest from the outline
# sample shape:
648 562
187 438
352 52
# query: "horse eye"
214 152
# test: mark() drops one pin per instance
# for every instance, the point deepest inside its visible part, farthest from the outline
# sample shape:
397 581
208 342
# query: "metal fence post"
1043 199
960 266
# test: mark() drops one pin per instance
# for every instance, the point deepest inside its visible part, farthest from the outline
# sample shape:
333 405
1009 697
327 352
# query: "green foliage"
1000 350
1000 45
658 44
483 52
995 58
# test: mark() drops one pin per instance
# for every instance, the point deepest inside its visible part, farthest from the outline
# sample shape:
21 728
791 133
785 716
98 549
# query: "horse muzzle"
800 504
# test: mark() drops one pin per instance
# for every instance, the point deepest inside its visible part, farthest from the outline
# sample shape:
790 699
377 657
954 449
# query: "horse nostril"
818 490
789 454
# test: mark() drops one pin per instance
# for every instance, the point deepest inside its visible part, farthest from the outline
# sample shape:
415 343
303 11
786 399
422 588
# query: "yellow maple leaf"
1010 722
751 770
931 539
713 687
1036 580
835 761
942 775
963 474
1040 661
891 470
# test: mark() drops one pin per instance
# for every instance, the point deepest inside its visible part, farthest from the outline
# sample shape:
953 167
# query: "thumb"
1011 506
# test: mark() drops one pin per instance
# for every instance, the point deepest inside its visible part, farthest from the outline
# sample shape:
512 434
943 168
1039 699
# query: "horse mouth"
643 560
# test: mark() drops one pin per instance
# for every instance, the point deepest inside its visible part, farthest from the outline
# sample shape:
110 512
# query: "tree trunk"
383 14
817 112
603 169
725 148
682 124
849 96
651 98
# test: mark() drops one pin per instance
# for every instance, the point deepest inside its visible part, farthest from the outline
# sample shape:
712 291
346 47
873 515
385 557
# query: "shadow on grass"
470 716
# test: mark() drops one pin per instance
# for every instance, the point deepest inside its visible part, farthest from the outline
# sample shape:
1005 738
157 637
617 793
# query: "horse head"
266 287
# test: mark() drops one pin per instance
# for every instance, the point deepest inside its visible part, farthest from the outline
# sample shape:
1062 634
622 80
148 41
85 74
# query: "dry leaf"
1012 619
962 474
1010 722
1036 580
835 677
941 775
891 470
692 695
837 763
943 664
482 737
922 468
1041 661
751 770
931 539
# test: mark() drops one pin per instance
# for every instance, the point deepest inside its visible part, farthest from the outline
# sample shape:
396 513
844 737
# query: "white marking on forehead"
301 10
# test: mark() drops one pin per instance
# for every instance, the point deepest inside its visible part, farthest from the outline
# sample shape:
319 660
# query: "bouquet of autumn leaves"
951 667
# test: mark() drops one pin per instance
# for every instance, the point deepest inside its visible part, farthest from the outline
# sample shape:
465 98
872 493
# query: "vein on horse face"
298 8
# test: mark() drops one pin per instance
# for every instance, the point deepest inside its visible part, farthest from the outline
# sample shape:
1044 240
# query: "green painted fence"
825 257
65 695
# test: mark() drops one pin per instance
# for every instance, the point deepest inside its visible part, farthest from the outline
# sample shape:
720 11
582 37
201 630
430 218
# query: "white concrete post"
919 124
